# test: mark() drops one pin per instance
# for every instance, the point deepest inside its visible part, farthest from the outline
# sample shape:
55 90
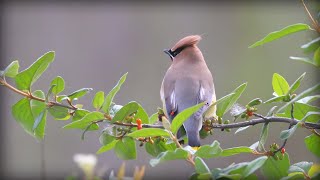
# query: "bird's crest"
187 41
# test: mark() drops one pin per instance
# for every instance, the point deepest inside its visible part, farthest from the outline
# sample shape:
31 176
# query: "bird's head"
182 45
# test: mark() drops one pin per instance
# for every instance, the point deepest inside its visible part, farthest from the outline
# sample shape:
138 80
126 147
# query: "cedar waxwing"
187 82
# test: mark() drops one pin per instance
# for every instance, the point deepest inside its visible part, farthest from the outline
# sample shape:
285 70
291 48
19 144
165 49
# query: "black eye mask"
173 54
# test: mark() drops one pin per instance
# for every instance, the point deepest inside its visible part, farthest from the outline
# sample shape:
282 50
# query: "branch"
30 96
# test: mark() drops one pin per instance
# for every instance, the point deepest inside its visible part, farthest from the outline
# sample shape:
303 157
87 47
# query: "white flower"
87 163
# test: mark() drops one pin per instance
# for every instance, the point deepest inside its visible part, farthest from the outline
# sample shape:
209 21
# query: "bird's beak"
168 51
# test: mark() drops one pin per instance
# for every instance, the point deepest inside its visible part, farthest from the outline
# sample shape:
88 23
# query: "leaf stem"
314 22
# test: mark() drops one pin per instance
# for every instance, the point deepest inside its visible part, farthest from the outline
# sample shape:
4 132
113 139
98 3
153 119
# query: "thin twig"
314 22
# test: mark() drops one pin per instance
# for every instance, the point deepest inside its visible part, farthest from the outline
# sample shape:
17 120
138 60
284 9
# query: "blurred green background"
97 42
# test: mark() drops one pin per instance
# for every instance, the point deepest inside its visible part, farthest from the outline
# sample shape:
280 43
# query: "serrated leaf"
27 77
107 147
79 93
98 100
241 129
235 150
58 112
303 167
285 134
279 84
312 143
311 46
200 166
126 148
209 151
112 93
300 96
153 118
296 84
308 99
142 114
169 155
84 122
263 136
253 166
276 169
125 111
228 103
59 85
12 69
281 33
149 132
183 116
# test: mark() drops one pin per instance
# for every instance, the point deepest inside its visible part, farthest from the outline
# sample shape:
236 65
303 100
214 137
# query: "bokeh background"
97 42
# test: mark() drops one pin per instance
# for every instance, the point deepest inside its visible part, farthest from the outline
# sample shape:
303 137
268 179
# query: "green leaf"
285 134
276 169
254 102
313 144
308 99
126 148
209 151
213 107
183 116
311 116
263 136
27 77
58 112
106 137
59 85
316 57
279 84
303 167
241 129
142 114
159 146
271 111
85 121
79 114
37 107
235 150
41 117
79 93
296 84
311 46
303 59
112 93
293 176
98 100
153 118
149 132
228 103
275 99
169 155
300 96
200 166
107 147
12 69
125 111
301 110
49 93
254 165
281 33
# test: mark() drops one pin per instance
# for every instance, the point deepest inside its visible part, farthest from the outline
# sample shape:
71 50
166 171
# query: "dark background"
97 42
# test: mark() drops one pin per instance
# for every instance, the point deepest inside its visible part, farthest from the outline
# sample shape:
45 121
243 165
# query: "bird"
187 82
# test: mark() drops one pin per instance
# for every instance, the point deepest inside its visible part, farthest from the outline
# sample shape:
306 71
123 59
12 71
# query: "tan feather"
187 41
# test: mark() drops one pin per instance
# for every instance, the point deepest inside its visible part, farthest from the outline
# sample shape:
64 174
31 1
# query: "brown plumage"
187 82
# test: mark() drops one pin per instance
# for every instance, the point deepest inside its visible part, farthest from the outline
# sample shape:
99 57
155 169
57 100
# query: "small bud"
283 150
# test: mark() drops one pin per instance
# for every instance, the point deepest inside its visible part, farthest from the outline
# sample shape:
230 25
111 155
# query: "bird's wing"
168 98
